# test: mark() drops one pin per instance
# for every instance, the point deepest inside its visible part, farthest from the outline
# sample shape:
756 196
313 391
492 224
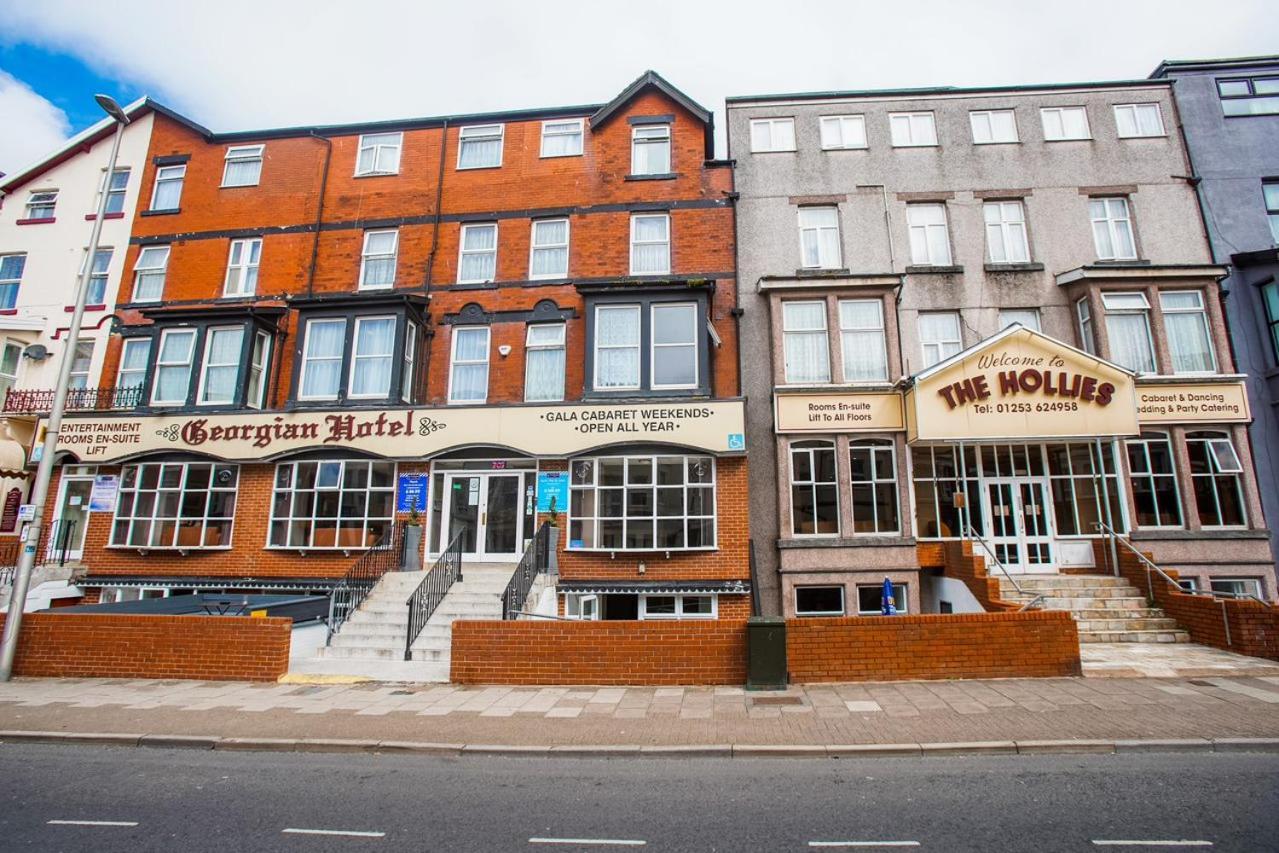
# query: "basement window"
819 601
870 599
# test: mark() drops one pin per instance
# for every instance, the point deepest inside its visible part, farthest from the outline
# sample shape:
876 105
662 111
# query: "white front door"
65 536
1019 527
487 511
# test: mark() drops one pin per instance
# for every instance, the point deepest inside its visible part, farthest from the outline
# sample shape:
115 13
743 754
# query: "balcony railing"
21 401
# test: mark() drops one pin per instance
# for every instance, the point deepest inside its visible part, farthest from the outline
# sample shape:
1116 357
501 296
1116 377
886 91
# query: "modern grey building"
1229 115
986 313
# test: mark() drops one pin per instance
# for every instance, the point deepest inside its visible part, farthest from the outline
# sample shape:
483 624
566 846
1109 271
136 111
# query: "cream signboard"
839 412
1193 402
1018 385
716 427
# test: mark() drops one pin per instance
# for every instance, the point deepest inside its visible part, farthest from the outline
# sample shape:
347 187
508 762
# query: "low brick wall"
970 645
620 653
95 645
962 562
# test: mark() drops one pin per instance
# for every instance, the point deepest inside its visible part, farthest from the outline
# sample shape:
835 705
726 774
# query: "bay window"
173 367
1217 477
134 355
408 374
1154 481
1128 330
544 363
674 345
372 357
1006 232
651 149
873 467
477 260
1112 229
221 366
322 352
651 343
175 505
1087 338
378 259
804 341
650 244
617 347
480 146
149 273
469 365
1186 324
362 358
642 503
814 488
331 504
819 237
861 329
255 392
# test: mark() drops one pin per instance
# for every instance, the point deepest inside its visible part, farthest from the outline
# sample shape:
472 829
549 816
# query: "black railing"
355 586
536 559
9 551
59 539
431 591
22 401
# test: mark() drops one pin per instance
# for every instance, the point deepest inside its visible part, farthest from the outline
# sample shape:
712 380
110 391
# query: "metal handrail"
535 561
349 593
56 547
6 576
431 591
972 536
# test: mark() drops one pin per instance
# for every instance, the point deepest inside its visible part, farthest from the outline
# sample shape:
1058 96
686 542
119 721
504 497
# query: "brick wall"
624 653
962 564
973 645
93 645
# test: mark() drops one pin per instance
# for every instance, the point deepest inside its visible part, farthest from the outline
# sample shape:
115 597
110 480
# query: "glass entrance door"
487 511
1020 525
66 534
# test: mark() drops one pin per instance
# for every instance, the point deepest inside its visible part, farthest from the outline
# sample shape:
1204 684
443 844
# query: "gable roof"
652 80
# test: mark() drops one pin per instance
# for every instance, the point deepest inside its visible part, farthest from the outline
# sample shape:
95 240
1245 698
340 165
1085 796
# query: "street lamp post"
44 473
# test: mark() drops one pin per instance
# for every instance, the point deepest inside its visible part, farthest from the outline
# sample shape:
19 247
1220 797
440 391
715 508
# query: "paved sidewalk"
900 712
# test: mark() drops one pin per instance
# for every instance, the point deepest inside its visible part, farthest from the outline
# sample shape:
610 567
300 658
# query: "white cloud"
240 64
33 126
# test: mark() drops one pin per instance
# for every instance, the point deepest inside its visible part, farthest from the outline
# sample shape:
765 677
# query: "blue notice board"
411 493
552 484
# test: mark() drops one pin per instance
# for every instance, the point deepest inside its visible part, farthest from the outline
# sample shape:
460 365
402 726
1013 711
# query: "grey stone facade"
871 188
1232 157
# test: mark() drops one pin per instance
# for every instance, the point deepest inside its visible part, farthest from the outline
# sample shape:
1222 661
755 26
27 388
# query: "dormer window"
651 149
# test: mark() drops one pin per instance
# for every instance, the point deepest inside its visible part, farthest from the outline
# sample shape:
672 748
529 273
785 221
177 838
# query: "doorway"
1020 529
67 533
488 511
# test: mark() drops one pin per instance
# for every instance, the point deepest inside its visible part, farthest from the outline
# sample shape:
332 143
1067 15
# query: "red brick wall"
627 653
962 564
974 645
85 645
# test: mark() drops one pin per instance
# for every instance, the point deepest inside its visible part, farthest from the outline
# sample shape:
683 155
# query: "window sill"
1142 534
1017 267
97 306
823 272
1070 139
41 220
479 168
848 148
640 550
89 217
375 174
169 211
1000 142
869 540
168 549
663 176
929 269
1121 262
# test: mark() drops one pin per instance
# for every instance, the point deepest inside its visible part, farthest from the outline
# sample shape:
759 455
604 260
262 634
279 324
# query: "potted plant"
553 534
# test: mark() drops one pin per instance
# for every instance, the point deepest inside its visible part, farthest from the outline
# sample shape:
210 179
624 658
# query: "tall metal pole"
44 473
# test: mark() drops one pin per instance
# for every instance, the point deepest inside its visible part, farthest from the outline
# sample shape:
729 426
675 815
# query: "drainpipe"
439 199
319 212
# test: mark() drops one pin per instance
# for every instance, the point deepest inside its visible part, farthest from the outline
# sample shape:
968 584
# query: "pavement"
1160 660
1006 714
110 799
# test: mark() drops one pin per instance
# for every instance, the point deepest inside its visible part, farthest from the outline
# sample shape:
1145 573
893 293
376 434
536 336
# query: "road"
73 798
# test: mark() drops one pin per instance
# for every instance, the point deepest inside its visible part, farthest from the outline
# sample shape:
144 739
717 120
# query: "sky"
243 64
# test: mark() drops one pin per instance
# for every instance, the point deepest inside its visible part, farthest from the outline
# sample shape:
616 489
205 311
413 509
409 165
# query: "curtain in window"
480 152
242 173
652 251
470 365
653 156
865 353
374 343
222 365
544 374
1130 341
617 334
133 363
321 374
479 254
168 192
379 259
807 352
174 366
550 247
1187 333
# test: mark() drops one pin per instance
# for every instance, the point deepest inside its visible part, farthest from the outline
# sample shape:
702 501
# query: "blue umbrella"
888 605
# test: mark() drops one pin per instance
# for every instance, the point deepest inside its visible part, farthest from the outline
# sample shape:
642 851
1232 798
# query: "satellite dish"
36 352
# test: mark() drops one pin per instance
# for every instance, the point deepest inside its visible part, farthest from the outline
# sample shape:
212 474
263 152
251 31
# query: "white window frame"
366 256
161 178
918 133
239 273
389 356
131 489
943 345
243 154
810 448
982 124
817 231
337 483
843 604
308 358
257 370
82 363
652 461
530 346
638 347
189 364
1087 331
1123 310
771 125
1135 110
1060 113
481 133
878 611
679 613
154 269
41 199
647 134
1112 225
1141 445
849 333
1007 227
840 124
97 278
463 252
1254 583
15 283
875 448
8 380
534 246
666 218
925 233
578 130
105 186
823 330
1008 316
454 363
408 369
205 365
1201 310
368 143
121 369
692 342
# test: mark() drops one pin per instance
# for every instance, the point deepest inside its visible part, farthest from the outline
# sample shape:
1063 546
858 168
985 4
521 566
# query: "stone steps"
1177 636
1106 609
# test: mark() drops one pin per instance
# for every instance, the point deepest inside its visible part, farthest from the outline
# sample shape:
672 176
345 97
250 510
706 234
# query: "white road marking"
601 842
863 844
93 822
1167 842
351 833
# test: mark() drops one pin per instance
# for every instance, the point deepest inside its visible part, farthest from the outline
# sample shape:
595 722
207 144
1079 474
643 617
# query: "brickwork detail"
962 564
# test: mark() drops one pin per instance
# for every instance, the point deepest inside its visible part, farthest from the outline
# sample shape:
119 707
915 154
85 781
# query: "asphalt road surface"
83 798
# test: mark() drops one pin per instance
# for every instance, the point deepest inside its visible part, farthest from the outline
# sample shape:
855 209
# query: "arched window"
1216 472
1154 481
874 486
814 489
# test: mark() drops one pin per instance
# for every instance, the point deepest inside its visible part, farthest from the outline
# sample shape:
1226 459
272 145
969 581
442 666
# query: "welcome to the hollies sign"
408 433
1022 385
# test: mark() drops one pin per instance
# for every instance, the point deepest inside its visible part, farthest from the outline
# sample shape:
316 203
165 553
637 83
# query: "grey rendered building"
1229 114
934 284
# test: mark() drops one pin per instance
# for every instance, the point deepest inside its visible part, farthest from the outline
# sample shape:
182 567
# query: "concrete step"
1073 604
1177 636
1150 624
1039 582
374 652
431 655
1114 613
378 669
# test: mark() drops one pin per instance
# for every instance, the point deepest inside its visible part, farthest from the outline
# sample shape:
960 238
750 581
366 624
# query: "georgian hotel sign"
716 427
1021 384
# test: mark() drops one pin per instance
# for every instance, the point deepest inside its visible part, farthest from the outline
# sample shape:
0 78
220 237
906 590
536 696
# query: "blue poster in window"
552 484
411 493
